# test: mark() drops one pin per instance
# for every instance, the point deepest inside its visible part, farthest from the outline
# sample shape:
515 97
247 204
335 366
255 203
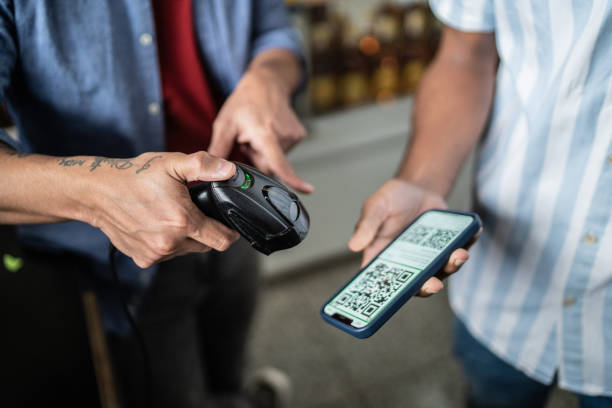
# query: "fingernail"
225 167
459 262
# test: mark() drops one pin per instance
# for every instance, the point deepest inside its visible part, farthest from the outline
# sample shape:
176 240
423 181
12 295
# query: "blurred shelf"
353 128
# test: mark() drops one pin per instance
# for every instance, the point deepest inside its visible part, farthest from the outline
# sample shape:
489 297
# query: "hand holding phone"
368 300
387 212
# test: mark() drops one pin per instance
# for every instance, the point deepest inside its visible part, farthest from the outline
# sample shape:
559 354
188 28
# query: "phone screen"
395 267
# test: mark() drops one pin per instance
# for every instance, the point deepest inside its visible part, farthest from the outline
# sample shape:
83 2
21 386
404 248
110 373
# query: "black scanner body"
260 208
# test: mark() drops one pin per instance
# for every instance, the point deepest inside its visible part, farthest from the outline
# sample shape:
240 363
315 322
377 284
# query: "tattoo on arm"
119 164
148 164
70 162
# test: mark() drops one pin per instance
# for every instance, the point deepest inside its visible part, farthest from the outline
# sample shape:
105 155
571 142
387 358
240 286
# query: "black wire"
135 329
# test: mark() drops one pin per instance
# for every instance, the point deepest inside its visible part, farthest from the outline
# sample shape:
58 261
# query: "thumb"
201 166
372 217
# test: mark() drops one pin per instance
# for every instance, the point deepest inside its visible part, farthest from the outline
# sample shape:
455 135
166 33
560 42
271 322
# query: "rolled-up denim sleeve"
8 57
465 15
272 28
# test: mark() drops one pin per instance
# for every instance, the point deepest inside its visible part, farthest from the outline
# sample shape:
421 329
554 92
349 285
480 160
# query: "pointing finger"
280 166
222 140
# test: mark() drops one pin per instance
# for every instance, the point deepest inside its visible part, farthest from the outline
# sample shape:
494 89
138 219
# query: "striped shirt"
538 288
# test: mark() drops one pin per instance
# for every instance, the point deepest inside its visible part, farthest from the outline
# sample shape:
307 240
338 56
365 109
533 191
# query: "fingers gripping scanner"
259 207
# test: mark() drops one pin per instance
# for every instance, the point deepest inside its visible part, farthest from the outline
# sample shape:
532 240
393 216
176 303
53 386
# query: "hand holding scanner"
256 205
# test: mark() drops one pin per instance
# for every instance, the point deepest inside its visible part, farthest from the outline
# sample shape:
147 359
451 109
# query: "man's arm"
258 116
141 204
280 67
16 207
451 111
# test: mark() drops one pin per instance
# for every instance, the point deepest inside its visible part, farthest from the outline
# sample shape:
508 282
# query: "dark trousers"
45 358
194 320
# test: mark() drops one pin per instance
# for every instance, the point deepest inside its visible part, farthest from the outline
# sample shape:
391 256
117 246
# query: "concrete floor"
408 363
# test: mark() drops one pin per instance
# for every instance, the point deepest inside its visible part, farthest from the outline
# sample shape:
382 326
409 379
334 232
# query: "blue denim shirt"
81 77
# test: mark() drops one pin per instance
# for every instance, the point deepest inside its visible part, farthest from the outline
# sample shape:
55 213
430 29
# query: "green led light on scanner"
247 182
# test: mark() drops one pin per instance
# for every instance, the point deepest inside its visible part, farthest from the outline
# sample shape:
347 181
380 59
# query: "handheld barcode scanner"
259 207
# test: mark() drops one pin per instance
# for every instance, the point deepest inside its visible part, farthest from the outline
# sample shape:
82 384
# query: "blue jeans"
492 383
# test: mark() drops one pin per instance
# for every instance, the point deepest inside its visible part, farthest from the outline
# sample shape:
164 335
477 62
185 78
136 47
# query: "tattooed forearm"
148 163
119 164
63 161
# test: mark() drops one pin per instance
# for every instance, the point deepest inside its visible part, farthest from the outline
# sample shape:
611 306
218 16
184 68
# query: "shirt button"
568 301
146 39
590 238
154 108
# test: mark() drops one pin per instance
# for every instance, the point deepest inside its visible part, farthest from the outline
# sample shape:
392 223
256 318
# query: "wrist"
280 67
82 187
94 181
426 180
261 77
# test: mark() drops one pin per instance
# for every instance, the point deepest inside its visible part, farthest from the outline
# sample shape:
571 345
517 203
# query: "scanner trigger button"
282 201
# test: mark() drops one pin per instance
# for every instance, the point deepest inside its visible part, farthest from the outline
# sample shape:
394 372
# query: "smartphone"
379 289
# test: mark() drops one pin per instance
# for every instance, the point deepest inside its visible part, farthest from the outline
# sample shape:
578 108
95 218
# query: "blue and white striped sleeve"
465 15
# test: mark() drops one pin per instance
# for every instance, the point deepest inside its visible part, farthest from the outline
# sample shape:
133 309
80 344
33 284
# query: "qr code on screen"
374 288
439 239
416 234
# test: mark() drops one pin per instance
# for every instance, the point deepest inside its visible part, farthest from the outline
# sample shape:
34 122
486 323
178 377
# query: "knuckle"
198 158
143 263
191 229
164 246
180 220
221 243
263 133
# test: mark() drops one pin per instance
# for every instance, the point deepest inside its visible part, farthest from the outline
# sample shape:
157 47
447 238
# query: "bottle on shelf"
354 86
386 28
419 44
325 53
